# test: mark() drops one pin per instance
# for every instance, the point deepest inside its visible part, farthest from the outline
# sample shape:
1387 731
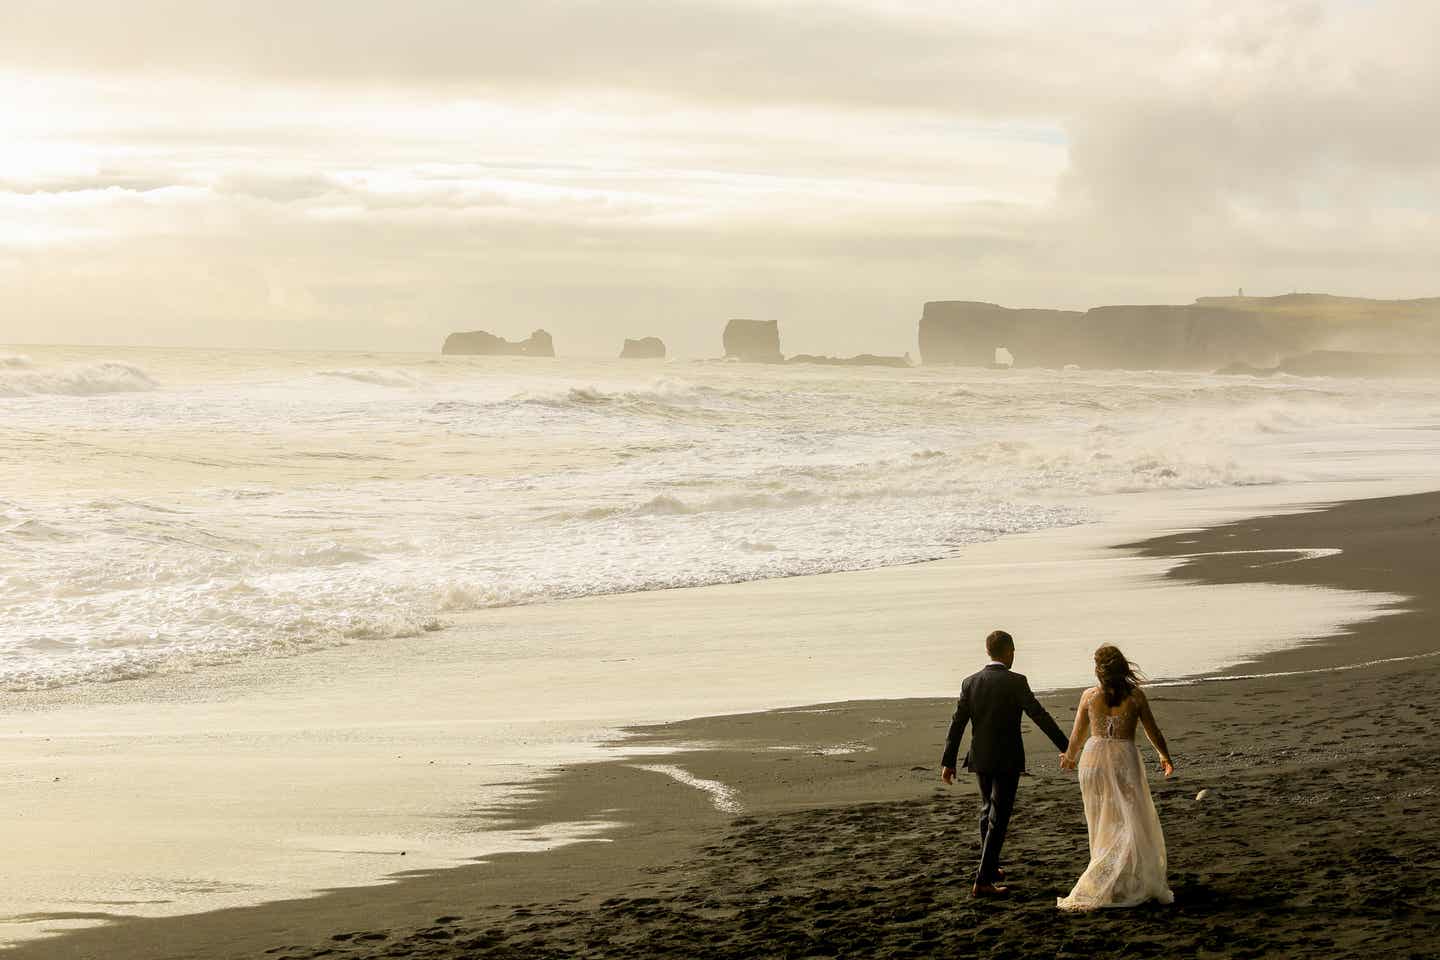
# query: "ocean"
161 510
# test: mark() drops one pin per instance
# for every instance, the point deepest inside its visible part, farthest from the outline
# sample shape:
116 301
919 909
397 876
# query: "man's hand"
947 775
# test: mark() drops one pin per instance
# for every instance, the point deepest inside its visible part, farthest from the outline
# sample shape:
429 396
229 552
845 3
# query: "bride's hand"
1065 762
1168 767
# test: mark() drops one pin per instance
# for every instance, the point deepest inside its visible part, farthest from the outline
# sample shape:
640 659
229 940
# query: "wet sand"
1318 840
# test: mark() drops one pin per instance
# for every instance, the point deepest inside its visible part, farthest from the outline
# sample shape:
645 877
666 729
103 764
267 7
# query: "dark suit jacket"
992 701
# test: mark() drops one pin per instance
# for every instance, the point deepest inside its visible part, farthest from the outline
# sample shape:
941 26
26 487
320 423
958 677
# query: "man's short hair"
998 644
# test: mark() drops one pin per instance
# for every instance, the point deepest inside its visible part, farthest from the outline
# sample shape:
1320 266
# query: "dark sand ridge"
1320 840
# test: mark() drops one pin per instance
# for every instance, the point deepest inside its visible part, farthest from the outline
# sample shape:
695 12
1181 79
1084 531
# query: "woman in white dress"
1127 846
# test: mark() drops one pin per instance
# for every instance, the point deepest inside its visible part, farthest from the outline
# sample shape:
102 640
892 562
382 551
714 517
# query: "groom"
992 700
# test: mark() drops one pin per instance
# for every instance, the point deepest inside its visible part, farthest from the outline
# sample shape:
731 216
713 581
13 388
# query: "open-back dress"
1127 847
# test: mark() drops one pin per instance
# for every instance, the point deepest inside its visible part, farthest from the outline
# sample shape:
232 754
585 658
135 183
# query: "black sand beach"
1319 837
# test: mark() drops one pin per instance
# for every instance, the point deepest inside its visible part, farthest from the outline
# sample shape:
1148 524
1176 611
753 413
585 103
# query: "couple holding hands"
1127 846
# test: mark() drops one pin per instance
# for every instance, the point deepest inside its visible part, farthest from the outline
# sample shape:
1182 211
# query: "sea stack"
646 348
481 344
754 341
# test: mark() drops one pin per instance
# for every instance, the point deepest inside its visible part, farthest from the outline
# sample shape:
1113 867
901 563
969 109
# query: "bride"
1127 846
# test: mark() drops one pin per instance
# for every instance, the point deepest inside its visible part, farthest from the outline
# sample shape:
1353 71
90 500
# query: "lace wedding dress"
1127 846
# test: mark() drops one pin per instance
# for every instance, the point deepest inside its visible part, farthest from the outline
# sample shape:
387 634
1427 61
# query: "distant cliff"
967 332
1345 363
646 348
480 343
1212 332
754 341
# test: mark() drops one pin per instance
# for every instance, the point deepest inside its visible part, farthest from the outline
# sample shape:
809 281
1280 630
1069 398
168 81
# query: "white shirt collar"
996 663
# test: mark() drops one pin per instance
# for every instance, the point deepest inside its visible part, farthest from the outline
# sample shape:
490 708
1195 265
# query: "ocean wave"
32 529
669 505
77 381
247 493
324 555
814 545
374 376
666 403
15 361
44 663
1100 462
662 506
664 391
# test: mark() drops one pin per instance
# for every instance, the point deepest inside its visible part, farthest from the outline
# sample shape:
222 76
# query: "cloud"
139 182
370 174
714 50
281 188
1288 135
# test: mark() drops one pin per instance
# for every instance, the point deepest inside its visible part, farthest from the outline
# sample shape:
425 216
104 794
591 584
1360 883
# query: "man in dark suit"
991 701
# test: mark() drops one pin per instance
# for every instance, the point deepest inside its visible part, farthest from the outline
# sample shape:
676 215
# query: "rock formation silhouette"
646 348
480 343
754 341
1209 333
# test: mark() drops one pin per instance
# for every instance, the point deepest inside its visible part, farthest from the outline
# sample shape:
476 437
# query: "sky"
373 175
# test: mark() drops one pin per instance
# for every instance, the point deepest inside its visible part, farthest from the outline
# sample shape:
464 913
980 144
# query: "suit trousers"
997 801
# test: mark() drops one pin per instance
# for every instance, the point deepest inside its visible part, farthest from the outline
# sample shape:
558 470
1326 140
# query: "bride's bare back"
1095 717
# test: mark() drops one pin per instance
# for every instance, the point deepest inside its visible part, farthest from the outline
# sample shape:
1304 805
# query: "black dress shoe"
989 890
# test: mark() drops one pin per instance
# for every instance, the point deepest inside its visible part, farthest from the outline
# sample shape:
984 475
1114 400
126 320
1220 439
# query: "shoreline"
414 749
841 756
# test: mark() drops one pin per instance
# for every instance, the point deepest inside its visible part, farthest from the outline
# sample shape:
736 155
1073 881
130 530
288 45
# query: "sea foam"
255 507
21 378
376 377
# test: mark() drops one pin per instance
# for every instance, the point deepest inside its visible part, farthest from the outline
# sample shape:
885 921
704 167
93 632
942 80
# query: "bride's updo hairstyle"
1118 677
